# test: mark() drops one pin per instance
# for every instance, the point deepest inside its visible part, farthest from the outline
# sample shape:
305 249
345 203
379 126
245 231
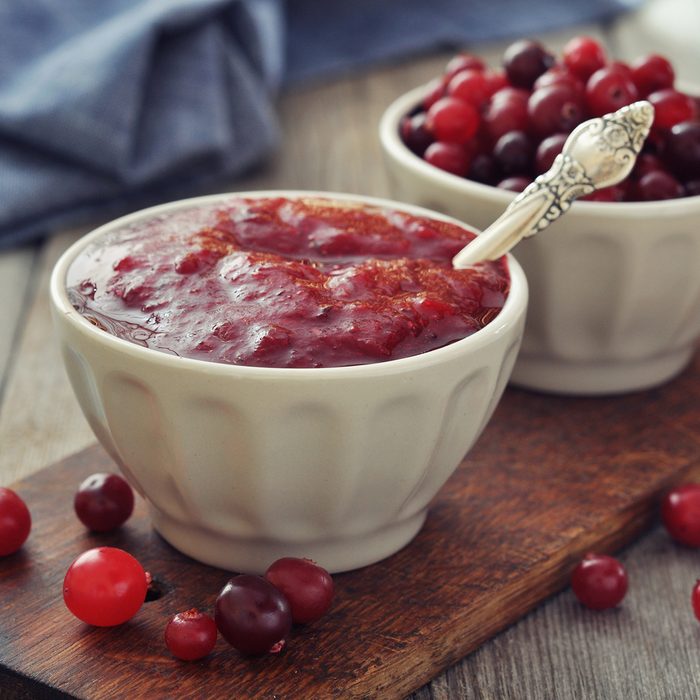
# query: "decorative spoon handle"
598 153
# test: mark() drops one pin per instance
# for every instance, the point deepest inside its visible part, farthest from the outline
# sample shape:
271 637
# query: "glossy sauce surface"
279 282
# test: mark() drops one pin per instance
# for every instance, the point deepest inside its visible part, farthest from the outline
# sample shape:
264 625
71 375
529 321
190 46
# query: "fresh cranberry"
516 183
483 168
252 615
495 81
463 61
506 111
525 61
434 90
671 107
652 73
190 635
307 586
548 149
658 184
103 502
559 75
15 522
614 193
514 152
680 514
415 134
470 86
583 56
451 157
682 152
646 162
599 581
553 109
624 68
607 90
452 120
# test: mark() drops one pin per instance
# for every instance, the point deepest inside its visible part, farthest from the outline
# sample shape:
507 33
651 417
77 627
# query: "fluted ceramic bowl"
242 465
614 287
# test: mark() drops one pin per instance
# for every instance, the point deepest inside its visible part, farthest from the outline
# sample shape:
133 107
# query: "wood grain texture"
549 479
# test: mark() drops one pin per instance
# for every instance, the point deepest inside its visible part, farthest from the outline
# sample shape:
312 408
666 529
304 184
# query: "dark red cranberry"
615 193
548 150
483 169
506 113
525 61
599 581
682 151
646 162
452 120
555 109
463 61
680 514
104 502
607 90
414 133
307 586
469 85
495 80
658 184
517 183
652 73
15 521
451 157
583 56
514 152
671 107
692 188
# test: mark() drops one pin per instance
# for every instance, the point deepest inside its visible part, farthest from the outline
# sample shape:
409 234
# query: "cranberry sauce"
281 282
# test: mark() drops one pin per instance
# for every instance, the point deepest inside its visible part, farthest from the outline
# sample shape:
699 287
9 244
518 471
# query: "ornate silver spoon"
598 153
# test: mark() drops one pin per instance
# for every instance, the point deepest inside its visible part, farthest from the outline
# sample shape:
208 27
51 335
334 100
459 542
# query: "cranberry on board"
190 635
599 581
104 502
15 522
680 514
307 586
252 615
105 586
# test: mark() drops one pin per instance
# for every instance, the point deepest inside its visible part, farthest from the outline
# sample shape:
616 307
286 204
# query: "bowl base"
598 378
254 556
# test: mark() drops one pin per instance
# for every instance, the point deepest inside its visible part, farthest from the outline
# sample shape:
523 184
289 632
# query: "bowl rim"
513 309
395 148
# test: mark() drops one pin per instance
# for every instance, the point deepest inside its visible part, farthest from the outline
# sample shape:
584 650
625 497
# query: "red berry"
525 61
190 635
614 193
514 152
252 615
671 107
695 599
15 522
483 169
434 90
682 151
470 86
559 75
652 73
506 111
680 513
452 120
307 586
607 90
583 56
414 133
103 502
553 109
548 150
658 184
450 157
495 80
105 586
599 581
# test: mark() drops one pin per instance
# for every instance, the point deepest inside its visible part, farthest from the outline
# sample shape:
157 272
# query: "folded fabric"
109 106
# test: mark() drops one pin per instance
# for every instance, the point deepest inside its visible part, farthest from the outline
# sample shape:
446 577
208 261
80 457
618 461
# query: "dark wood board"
550 478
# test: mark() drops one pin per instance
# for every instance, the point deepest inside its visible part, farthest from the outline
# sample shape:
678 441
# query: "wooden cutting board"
550 479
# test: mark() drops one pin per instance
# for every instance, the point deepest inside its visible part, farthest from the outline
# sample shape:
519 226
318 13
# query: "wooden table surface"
647 648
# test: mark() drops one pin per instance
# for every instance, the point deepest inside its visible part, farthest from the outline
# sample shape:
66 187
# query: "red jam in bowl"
284 282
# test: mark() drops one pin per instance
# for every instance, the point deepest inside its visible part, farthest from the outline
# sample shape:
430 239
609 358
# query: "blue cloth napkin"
112 105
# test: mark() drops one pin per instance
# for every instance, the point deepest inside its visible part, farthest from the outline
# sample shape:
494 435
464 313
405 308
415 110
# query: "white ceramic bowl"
614 288
242 465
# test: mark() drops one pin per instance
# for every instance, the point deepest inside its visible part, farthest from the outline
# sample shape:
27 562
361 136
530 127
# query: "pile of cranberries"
106 586
505 126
